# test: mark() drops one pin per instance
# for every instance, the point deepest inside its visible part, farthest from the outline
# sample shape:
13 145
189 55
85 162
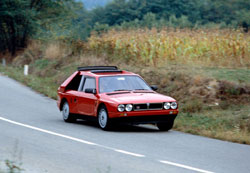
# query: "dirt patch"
196 92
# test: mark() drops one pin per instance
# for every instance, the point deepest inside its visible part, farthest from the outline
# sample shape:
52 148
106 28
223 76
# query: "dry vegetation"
214 101
225 48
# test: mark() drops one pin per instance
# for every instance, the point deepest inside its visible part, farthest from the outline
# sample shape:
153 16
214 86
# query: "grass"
43 85
229 74
231 124
14 165
225 121
212 87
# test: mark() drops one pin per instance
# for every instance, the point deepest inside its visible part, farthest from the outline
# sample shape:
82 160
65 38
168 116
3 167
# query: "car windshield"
121 83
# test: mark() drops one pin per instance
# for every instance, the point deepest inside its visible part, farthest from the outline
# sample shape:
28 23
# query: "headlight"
121 108
167 105
129 107
173 105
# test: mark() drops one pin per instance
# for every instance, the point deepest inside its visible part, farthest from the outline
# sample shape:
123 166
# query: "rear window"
74 83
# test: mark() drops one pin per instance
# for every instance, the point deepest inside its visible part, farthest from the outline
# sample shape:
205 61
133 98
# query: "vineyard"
225 48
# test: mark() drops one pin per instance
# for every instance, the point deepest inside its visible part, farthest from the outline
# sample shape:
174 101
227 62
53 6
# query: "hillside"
210 79
90 4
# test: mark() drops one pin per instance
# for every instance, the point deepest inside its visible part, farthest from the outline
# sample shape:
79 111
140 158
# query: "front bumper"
144 117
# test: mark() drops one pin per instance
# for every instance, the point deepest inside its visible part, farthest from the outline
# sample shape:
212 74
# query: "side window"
89 83
75 82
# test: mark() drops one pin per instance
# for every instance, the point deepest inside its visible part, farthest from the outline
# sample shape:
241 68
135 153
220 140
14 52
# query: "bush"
192 106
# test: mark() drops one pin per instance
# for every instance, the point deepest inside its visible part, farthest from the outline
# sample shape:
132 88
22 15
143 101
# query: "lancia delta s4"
109 95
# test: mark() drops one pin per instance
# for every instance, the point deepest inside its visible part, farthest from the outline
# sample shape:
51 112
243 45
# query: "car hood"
132 97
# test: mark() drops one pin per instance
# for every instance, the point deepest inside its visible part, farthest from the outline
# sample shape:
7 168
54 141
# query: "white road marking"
129 153
69 137
91 143
47 131
184 166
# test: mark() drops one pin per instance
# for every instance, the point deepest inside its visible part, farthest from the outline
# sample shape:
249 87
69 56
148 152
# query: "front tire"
103 118
166 126
67 116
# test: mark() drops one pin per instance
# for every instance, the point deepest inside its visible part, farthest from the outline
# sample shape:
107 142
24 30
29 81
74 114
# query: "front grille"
155 106
148 106
138 107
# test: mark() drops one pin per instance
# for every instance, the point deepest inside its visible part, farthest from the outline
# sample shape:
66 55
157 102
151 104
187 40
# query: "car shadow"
134 128
121 127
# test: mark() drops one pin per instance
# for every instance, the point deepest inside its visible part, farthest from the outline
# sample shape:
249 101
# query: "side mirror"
90 90
154 87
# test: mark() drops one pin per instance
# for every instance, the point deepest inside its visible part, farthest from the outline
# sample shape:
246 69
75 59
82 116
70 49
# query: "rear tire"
67 116
103 118
166 126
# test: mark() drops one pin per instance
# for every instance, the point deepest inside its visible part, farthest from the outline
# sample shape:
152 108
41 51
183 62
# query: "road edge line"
185 166
47 131
129 153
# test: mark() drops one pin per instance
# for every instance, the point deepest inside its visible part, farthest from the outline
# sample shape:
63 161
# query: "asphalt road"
31 128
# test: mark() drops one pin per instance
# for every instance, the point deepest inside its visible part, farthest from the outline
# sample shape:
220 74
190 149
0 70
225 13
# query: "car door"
87 101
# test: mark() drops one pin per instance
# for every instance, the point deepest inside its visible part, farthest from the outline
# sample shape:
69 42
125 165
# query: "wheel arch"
99 107
62 102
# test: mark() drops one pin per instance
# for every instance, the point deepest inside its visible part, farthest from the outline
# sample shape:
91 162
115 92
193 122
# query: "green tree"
149 20
188 12
20 19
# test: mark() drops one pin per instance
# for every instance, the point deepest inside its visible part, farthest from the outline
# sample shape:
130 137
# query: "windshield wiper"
140 89
122 90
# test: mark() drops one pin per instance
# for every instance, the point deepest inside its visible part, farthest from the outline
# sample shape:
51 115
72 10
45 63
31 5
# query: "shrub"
192 106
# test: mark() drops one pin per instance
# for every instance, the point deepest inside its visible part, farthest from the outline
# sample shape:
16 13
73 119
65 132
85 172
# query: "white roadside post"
3 62
26 70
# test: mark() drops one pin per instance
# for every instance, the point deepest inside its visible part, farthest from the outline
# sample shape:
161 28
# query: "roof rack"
106 71
88 68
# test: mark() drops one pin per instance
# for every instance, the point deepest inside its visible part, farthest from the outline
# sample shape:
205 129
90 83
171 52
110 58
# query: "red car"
109 96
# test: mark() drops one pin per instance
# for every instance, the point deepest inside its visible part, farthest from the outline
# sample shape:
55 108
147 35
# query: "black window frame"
81 83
